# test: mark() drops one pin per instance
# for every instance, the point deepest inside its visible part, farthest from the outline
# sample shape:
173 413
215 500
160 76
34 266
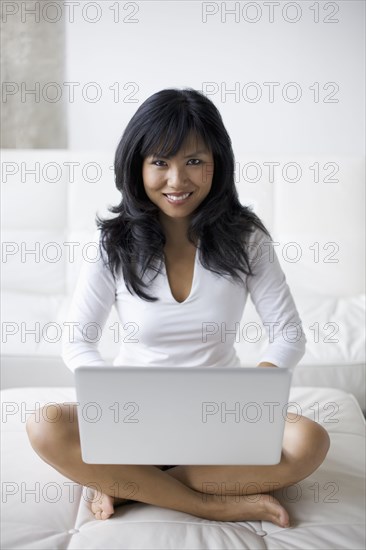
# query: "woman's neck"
176 232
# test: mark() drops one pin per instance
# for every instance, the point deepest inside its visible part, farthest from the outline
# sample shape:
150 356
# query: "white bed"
43 510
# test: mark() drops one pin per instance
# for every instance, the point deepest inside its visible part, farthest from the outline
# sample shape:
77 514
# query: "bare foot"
245 508
103 505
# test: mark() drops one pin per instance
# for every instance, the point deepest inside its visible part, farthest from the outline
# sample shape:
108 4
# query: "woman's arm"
275 305
91 304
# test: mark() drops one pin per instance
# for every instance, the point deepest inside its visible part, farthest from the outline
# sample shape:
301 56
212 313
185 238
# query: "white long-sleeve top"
197 332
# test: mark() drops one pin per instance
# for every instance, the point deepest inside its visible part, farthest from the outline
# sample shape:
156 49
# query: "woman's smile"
178 199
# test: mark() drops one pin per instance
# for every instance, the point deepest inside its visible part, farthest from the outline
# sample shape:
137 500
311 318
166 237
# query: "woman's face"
188 174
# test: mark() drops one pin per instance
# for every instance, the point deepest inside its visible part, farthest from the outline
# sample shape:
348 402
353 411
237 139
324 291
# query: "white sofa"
52 212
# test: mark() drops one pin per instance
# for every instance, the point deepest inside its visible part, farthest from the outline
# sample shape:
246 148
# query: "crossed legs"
222 493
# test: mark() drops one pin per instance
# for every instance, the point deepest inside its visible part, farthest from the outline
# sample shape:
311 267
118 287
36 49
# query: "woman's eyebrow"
202 151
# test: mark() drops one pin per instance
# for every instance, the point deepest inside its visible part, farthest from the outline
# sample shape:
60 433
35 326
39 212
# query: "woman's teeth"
178 198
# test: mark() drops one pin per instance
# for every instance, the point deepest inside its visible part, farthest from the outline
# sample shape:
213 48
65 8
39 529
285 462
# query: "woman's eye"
196 162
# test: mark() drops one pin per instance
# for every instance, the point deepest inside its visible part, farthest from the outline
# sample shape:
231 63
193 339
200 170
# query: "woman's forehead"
192 143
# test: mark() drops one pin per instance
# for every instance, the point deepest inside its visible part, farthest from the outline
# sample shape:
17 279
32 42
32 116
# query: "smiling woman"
181 233
175 144
177 186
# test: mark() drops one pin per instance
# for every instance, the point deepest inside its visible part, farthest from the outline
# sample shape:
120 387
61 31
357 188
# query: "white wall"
170 45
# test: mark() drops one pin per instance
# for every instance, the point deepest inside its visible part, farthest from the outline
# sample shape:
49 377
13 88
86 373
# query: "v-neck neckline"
169 290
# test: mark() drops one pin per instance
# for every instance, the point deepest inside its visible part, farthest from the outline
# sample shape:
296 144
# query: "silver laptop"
182 415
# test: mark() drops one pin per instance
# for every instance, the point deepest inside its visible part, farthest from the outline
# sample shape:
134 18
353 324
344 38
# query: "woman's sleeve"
90 306
274 304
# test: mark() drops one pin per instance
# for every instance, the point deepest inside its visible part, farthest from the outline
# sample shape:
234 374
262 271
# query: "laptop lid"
181 415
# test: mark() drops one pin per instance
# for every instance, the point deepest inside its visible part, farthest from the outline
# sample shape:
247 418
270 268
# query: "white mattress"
40 511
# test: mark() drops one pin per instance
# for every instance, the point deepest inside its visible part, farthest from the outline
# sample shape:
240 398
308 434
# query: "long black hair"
135 236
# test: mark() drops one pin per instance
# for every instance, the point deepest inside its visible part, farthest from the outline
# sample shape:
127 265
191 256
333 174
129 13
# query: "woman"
181 251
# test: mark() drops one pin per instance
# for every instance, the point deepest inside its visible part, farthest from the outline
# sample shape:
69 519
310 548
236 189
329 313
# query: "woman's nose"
177 176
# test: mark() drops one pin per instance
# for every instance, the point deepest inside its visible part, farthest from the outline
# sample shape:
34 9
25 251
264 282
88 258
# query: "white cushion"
34 261
93 189
34 201
23 313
